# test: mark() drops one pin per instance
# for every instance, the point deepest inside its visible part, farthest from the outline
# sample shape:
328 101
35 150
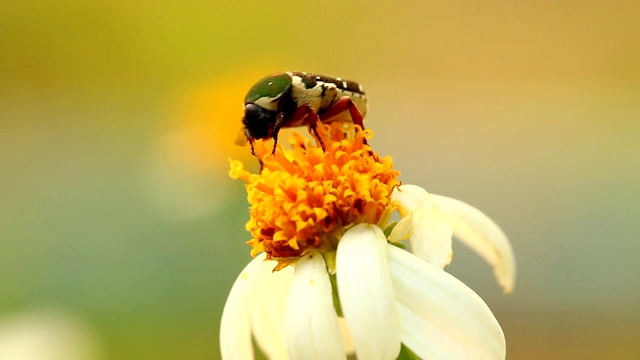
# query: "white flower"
388 296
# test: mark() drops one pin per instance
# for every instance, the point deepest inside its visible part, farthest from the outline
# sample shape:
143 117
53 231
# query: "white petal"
235 332
410 196
268 308
441 317
402 229
366 293
431 236
426 340
430 231
480 233
311 323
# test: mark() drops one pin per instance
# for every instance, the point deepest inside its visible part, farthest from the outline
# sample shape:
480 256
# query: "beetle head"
258 122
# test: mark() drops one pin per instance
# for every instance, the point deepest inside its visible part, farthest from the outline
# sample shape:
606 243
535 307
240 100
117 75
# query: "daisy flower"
330 277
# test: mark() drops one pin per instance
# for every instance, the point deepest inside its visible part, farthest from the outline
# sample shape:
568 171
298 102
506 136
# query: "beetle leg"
249 140
313 128
312 119
276 130
303 111
344 104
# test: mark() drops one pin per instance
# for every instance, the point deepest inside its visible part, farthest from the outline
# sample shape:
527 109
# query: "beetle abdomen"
320 92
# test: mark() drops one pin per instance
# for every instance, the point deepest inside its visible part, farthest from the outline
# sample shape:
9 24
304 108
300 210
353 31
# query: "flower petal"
401 230
410 196
366 293
311 323
480 233
235 330
441 317
431 236
426 340
268 309
430 231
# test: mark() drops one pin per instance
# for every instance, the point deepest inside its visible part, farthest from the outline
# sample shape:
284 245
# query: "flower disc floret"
305 198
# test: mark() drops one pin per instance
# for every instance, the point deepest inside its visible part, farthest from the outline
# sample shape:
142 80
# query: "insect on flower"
292 99
326 254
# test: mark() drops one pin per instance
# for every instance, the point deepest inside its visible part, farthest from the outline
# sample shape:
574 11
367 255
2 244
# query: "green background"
117 120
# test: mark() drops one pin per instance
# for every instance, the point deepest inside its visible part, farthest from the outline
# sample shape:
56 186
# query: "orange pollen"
305 198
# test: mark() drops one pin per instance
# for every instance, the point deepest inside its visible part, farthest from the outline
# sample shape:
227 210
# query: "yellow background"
117 120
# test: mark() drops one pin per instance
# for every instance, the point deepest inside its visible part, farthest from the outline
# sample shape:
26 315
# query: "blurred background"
121 232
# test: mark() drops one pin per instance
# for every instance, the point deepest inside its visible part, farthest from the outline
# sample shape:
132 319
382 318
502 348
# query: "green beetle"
291 99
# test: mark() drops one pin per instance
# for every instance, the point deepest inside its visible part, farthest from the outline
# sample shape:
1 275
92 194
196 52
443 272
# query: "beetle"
291 99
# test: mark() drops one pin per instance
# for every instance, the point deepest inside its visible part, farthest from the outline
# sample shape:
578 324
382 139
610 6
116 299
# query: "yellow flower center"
305 198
